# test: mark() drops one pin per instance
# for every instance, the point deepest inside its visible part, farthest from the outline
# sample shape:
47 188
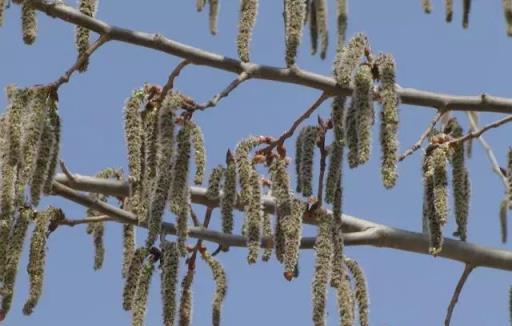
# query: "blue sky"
405 289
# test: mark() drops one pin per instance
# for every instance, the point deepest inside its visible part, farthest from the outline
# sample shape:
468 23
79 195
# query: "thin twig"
225 92
207 217
423 136
477 133
467 270
172 77
65 170
87 220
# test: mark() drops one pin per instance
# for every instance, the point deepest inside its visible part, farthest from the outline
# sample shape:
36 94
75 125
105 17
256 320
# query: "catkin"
2 10
509 177
163 177
248 12
428 194
42 163
228 199
221 286
389 121
466 9
128 247
28 23
54 121
321 21
323 268
345 302
14 250
503 219
448 6
295 11
214 183
292 230
348 58
351 137
197 138
313 27
266 229
254 218
213 15
86 7
360 289
439 162
306 166
169 279
200 5
342 18
244 166
37 259
132 277
280 186
141 293
18 100
363 103
181 224
336 159
185 311
150 146
97 230
181 168
427 6
299 143
507 10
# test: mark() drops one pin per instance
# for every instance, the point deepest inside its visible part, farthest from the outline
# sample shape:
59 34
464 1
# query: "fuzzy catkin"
254 218
348 58
86 7
336 155
466 9
280 186
428 194
132 277
128 247
323 268
228 199
150 148
313 27
37 259
427 6
292 231
182 225
295 11
180 170
351 137
321 21
361 292
28 23
214 183
98 231
248 13
389 121
197 139
266 229
54 121
345 302
200 5
213 15
2 11
169 279
18 100
299 143
439 164
363 103
448 6
221 286
507 10
141 293
14 250
306 166
342 17
244 166
42 163
185 310
163 177
503 219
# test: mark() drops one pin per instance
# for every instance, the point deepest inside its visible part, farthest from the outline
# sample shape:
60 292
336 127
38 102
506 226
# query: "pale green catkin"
18 100
503 219
460 181
248 13
510 303
306 166
213 15
280 186
507 10
37 258
200 5
128 247
336 155
141 293
466 9
348 58
345 300
267 233
98 231
14 250
54 121
439 162
185 311
169 279
292 230
132 277
389 121
351 137
342 18
363 103
228 199
150 147
179 186
2 10
360 289
338 247
428 195
254 218
448 6
86 7
313 27
197 138
42 163
214 183
323 267
221 286
28 23
299 143
321 20
295 11
509 177
279 239
182 225
427 6
163 177
244 166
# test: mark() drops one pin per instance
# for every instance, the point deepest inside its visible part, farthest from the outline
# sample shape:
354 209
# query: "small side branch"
225 92
477 133
88 220
467 270
423 136
172 77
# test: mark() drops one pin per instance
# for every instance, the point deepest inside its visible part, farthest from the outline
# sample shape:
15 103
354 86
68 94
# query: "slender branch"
477 133
225 92
172 77
482 103
467 270
88 220
66 171
423 136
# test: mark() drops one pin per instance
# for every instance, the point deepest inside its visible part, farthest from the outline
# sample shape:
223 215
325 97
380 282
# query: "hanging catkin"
348 58
306 165
37 258
42 163
448 6
214 183
213 15
363 103
346 302
185 310
244 166
427 6
299 143
221 286
132 277
280 186
503 219
292 230
150 148
321 21
2 11
197 138
164 167
342 18
248 12
266 230
351 137
360 290
389 121
507 10
323 267
200 5
336 155
86 7
254 218
128 247
295 11
54 121
428 194
313 27
228 199
142 291
509 177
182 225
169 279
181 168
466 9
28 23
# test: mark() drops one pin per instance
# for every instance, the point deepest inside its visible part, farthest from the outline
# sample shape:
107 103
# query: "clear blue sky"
405 289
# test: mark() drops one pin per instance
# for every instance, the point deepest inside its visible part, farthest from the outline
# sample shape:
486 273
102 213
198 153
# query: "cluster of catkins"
448 6
440 152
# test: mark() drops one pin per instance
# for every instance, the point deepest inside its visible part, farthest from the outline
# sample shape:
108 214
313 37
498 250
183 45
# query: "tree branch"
478 132
467 270
424 135
225 92
482 103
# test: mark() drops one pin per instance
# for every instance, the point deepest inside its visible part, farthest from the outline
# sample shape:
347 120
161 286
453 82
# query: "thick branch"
482 103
